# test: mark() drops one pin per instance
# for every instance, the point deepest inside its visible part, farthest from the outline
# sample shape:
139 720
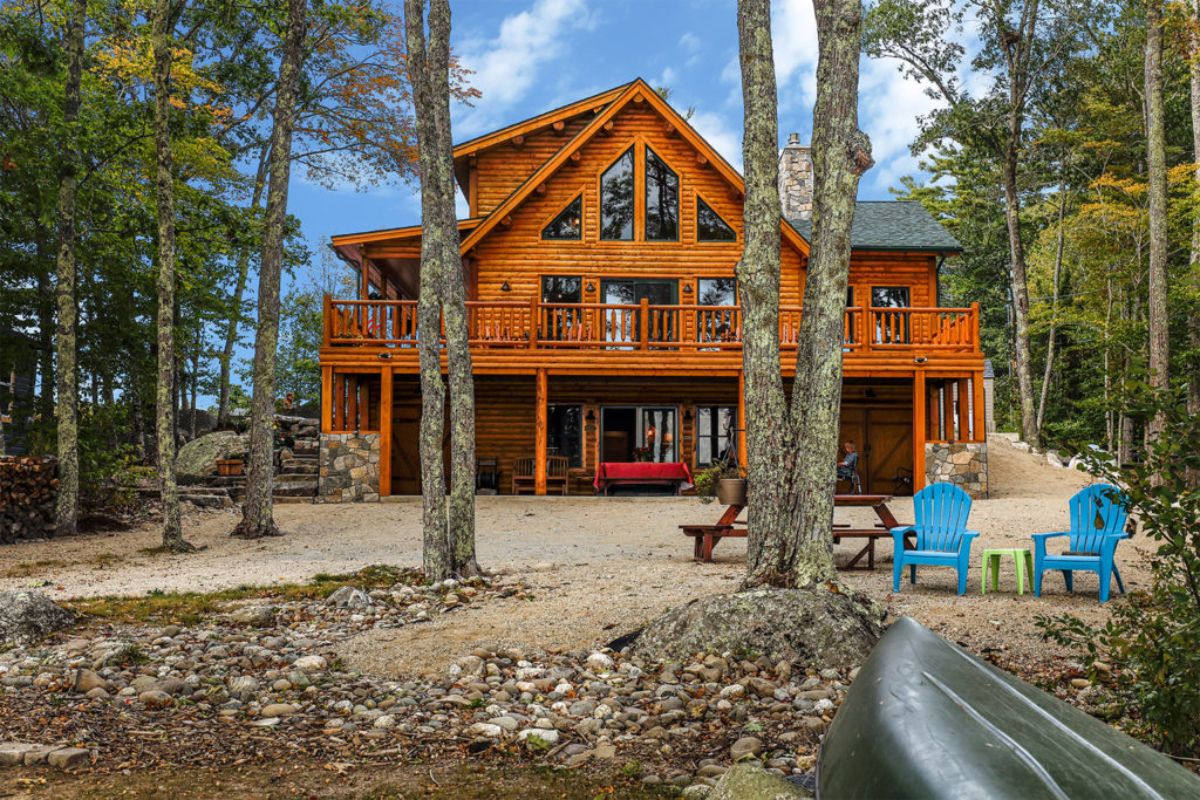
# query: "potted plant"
641 454
722 481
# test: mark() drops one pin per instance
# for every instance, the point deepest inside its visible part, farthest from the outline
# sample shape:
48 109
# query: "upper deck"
600 338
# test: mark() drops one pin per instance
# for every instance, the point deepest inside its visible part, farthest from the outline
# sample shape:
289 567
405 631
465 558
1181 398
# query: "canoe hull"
926 720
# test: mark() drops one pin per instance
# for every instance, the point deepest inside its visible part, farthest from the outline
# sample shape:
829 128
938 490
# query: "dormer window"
709 225
568 224
662 200
616 199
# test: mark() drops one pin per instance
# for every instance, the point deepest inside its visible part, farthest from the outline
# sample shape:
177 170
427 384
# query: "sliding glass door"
623 326
639 433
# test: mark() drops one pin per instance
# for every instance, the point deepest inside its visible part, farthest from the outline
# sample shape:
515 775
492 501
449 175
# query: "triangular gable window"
616 199
662 199
568 223
709 225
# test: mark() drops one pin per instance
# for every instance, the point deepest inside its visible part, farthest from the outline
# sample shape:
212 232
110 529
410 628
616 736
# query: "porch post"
948 409
385 432
979 415
741 420
919 430
326 399
964 410
540 438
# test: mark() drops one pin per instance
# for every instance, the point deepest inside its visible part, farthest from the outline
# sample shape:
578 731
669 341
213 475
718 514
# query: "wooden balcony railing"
609 326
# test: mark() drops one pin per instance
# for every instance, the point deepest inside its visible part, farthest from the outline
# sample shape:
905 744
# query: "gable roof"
891 225
640 91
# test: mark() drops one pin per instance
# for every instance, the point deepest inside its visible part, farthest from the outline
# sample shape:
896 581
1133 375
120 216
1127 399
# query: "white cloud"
690 43
724 138
507 66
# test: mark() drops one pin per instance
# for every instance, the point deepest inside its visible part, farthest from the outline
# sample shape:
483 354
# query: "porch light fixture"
920 360
504 287
591 287
687 288
385 355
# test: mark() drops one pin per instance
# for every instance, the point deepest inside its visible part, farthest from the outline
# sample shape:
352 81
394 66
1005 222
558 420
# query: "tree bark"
841 154
257 509
1156 168
67 382
770 444
239 291
452 547
1193 387
1059 247
172 532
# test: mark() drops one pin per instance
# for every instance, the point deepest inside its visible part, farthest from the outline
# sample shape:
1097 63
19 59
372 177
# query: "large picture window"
561 289
564 434
662 199
709 225
616 199
718 321
568 223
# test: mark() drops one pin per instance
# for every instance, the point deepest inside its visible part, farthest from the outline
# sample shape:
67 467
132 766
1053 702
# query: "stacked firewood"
28 488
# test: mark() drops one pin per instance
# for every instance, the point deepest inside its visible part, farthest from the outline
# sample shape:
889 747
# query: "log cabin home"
599 253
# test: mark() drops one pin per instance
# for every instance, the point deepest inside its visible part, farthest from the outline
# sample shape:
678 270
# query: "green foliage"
1152 641
706 480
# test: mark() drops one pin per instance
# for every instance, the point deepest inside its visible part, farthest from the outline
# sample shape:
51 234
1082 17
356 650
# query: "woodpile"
28 489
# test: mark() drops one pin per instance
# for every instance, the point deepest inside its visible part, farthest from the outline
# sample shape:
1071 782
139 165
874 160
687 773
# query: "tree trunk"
257 516
1020 294
1156 165
239 291
770 444
1059 247
172 533
1193 387
439 255
67 383
460 512
841 154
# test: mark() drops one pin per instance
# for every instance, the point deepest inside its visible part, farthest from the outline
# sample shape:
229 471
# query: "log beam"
741 419
979 417
919 430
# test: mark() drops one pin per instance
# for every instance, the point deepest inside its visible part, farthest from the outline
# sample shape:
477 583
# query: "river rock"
28 616
815 628
745 747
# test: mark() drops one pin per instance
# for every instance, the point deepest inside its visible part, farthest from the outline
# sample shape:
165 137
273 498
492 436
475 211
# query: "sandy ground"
598 567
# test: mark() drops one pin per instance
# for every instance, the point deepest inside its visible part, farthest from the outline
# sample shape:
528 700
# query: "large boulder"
820 628
28 616
198 458
749 781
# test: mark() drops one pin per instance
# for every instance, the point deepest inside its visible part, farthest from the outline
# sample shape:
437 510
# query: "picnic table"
706 537
642 473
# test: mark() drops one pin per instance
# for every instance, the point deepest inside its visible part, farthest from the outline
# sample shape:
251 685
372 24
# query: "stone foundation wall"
962 463
349 468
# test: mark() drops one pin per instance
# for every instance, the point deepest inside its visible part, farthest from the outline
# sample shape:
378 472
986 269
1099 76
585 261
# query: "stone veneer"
962 463
349 466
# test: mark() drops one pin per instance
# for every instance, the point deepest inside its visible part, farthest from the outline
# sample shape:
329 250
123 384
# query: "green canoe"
926 720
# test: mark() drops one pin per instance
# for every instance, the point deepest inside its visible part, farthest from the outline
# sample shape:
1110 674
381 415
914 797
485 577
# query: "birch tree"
163 21
790 451
67 377
257 509
448 527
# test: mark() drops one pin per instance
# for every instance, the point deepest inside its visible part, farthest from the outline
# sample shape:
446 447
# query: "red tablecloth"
642 472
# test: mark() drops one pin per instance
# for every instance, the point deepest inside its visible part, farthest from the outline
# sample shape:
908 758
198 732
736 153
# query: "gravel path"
597 566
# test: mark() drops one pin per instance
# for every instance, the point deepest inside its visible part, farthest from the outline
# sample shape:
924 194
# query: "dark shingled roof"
891 225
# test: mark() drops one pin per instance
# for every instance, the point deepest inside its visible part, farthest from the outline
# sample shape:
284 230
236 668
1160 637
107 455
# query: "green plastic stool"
1022 561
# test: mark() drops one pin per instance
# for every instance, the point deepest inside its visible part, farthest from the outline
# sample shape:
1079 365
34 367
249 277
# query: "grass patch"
190 608
27 569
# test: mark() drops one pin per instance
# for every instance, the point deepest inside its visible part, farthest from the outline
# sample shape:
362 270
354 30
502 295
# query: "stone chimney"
796 179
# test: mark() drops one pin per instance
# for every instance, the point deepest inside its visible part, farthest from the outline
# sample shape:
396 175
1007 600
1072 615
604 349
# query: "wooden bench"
705 538
557 474
870 534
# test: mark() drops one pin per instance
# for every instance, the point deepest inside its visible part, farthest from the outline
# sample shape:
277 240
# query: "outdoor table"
707 536
883 530
642 473
1022 562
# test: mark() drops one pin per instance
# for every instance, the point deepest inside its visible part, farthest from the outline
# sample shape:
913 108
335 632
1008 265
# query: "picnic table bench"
706 537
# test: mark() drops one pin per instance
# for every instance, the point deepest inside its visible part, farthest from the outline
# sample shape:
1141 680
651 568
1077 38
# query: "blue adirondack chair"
1098 515
943 540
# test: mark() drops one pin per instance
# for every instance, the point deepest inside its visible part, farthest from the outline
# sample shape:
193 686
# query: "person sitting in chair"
847 468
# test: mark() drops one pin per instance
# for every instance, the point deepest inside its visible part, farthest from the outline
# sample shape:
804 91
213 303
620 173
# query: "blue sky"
532 55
